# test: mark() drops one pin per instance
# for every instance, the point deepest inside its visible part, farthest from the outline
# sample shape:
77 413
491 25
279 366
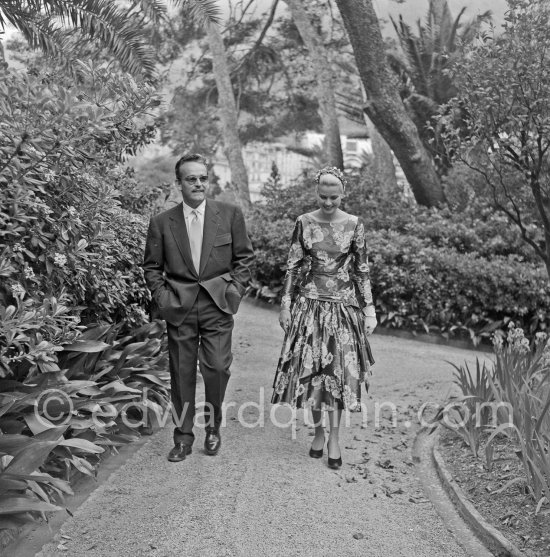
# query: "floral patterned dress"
325 355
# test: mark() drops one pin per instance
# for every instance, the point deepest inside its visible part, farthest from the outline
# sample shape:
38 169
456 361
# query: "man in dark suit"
197 266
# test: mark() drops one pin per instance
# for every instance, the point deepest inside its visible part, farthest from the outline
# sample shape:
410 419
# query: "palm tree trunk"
228 113
325 82
385 107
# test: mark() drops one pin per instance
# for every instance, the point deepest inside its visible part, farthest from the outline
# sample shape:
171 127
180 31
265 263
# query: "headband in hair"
331 170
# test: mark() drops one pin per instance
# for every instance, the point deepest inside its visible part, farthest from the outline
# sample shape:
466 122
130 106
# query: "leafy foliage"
75 348
521 379
515 391
69 30
470 415
62 230
424 65
273 82
419 286
51 26
504 90
56 423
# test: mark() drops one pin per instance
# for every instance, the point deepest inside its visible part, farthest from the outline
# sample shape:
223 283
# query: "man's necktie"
195 238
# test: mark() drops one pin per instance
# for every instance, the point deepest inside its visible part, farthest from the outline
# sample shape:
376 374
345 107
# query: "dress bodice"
335 257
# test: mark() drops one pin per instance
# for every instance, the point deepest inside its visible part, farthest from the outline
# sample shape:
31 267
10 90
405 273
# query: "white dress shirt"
187 213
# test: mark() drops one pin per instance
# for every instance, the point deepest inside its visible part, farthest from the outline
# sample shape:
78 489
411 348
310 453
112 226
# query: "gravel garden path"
263 495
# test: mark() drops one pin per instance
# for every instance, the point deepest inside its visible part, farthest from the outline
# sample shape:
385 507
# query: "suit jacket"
224 271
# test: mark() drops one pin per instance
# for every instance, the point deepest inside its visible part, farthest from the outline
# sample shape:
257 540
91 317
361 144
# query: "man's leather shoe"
212 442
179 452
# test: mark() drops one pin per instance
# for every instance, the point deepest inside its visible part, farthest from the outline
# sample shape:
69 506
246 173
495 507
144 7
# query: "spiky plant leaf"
45 24
200 12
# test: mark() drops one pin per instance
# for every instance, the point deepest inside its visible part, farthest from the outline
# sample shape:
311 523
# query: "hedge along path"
262 494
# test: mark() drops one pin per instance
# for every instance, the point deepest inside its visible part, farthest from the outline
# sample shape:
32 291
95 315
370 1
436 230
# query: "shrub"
57 423
419 286
516 385
71 292
63 233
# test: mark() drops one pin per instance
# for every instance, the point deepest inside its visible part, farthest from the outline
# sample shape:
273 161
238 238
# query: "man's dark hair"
191 157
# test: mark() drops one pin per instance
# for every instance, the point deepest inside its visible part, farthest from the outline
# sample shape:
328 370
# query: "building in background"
259 158
292 156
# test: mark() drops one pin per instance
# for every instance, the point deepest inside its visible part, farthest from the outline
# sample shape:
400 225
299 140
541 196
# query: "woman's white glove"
284 319
370 324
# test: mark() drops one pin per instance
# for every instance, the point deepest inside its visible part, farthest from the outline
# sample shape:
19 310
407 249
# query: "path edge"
492 538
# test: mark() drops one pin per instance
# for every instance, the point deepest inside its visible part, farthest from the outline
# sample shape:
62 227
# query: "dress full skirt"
325 357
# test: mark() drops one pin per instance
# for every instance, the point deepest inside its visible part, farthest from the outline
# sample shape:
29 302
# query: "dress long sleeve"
361 272
294 262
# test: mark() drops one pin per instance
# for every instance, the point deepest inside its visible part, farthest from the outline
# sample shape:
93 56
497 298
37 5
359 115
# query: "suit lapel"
179 230
211 223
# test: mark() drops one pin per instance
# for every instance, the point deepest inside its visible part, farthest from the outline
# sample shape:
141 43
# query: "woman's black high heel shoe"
313 453
335 463
316 453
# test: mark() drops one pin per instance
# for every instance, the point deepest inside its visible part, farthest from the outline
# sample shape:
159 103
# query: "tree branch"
237 23
260 38
537 194
515 216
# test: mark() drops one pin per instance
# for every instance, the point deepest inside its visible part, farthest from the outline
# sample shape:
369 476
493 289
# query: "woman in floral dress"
326 355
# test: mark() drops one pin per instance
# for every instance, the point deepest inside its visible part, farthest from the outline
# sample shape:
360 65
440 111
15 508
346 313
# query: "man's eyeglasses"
195 179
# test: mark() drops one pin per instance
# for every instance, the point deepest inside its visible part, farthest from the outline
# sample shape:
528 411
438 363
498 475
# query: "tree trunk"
227 108
383 167
325 82
384 106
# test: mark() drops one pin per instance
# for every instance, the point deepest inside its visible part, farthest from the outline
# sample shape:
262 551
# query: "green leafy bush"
521 379
517 388
420 286
106 391
72 293
515 391
63 233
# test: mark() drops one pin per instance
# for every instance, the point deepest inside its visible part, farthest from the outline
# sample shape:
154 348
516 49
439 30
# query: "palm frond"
411 48
43 35
36 7
200 12
441 15
15 17
451 40
152 10
398 63
40 23
13 11
103 20
471 29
